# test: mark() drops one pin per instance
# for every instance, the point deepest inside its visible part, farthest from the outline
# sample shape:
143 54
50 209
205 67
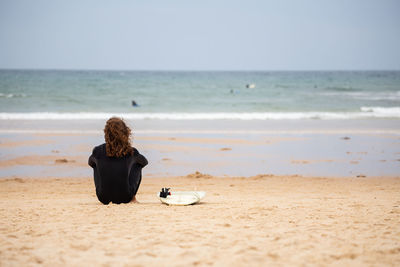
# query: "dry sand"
256 221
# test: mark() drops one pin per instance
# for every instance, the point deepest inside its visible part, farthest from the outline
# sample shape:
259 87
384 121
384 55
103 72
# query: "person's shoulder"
135 151
100 147
139 157
98 150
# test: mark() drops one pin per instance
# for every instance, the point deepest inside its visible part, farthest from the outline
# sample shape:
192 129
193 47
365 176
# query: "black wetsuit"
116 179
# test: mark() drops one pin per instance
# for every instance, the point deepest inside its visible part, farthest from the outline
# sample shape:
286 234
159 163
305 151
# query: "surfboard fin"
165 192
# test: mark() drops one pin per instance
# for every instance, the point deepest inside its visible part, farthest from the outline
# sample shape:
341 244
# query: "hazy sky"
200 35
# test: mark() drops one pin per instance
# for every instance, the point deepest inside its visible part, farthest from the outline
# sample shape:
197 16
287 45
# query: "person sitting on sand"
117 165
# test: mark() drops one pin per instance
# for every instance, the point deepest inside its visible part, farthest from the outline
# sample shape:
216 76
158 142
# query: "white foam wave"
370 96
210 131
365 112
12 95
381 111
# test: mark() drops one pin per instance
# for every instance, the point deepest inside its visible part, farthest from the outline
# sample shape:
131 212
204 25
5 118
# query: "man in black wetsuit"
117 165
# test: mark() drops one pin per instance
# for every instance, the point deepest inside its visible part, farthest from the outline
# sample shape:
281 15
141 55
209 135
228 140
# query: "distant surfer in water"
117 165
134 104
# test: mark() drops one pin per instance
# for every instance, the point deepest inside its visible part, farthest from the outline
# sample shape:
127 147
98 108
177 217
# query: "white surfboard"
182 198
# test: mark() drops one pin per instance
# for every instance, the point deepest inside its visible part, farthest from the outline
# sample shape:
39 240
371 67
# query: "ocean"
184 95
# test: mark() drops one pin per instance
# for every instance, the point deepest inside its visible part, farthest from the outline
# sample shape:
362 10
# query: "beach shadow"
159 203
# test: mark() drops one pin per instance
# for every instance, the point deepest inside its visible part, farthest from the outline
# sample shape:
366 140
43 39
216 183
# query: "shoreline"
198 125
230 148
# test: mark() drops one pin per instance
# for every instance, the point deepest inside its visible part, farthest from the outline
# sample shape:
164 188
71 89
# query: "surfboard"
182 198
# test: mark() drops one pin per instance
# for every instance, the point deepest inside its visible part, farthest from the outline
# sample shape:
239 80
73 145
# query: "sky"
200 35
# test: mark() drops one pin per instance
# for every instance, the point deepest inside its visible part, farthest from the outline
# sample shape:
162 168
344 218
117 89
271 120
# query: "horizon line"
199 70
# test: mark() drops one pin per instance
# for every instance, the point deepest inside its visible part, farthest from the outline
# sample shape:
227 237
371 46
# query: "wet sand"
253 221
307 151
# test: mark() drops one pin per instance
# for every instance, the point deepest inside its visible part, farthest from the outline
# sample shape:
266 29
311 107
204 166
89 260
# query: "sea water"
182 95
287 118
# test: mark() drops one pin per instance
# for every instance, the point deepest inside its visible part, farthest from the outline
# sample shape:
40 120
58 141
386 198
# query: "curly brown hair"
117 136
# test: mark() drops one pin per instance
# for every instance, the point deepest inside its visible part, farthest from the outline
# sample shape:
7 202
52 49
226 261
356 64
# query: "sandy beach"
254 221
322 194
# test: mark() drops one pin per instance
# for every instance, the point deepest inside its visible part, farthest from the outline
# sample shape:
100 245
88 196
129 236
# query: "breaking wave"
3 95
364 113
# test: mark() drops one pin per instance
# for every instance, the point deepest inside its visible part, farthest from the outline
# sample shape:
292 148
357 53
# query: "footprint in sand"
38 259
60 161
273 255
150 254
345 256
81 247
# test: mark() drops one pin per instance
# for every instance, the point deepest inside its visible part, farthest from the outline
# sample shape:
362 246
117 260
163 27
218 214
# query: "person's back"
117 166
